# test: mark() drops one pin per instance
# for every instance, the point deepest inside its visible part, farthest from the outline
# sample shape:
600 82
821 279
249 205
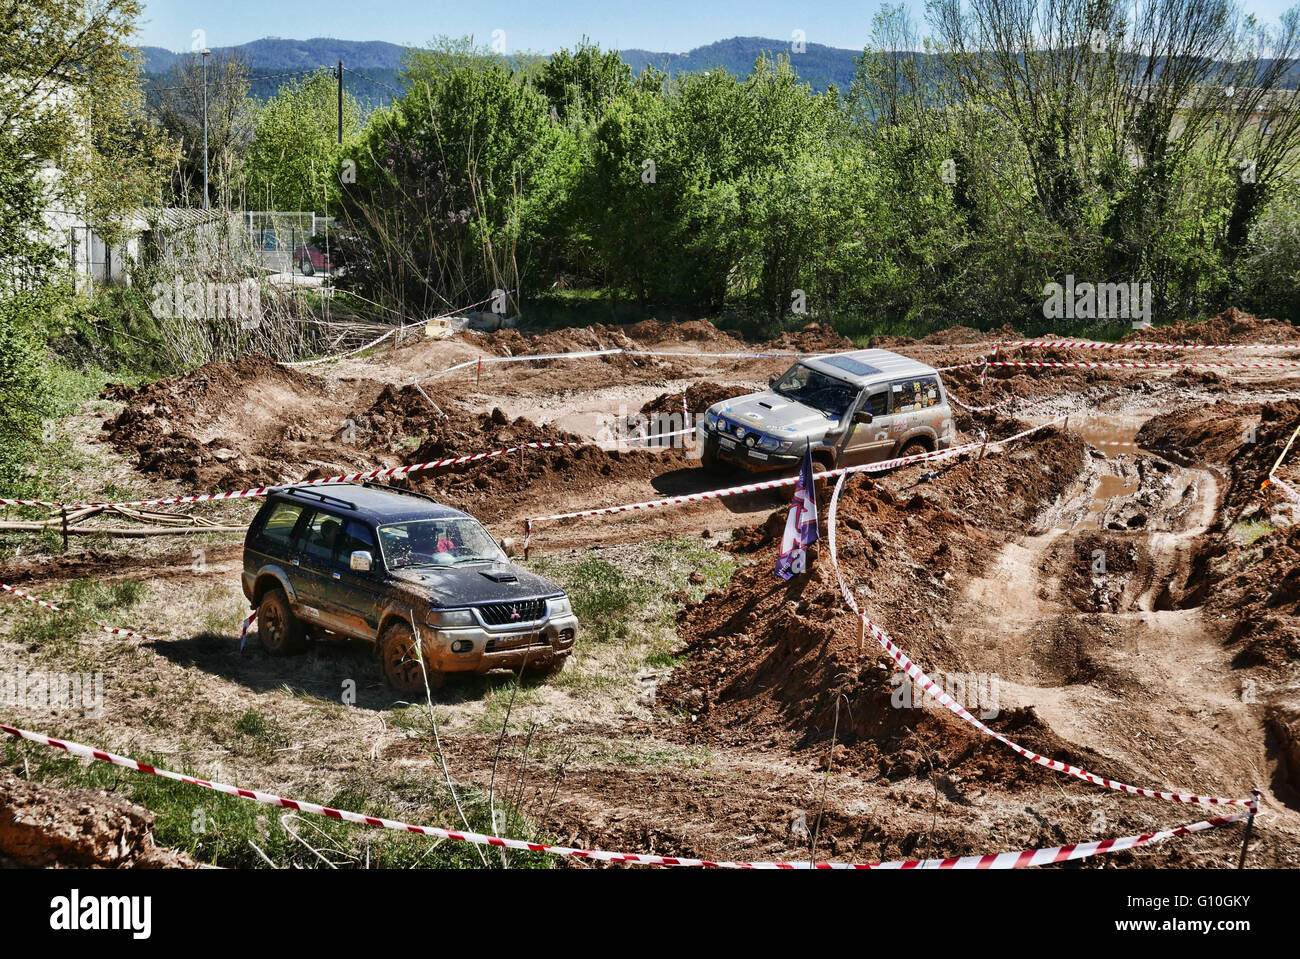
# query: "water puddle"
1112 438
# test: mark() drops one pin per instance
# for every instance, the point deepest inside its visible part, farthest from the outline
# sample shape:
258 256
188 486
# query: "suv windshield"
812 388
437 542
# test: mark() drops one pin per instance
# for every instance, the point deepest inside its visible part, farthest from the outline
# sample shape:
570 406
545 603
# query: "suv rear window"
279 525
917 394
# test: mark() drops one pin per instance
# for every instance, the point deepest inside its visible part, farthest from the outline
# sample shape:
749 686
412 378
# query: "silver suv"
851 408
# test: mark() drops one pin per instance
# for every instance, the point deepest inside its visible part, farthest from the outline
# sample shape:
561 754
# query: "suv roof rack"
323 497
373 484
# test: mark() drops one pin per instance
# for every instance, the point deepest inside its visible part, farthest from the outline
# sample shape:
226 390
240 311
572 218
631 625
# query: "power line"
381 83
237 80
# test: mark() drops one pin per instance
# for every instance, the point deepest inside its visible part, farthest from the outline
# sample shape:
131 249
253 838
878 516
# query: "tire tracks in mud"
1078 617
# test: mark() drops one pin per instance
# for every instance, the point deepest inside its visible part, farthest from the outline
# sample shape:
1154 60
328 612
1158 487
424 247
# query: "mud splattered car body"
850 408
385 566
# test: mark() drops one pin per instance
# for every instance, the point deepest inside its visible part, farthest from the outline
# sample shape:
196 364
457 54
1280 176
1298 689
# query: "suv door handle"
336 575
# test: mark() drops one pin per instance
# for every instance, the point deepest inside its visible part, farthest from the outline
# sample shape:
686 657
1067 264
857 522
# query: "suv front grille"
513 614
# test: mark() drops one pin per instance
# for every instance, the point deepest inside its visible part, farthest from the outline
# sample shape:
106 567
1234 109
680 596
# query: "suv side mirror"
361 561
862 416
771 380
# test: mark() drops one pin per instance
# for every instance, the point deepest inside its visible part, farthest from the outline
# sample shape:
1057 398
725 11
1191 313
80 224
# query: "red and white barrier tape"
332 480
936 691
1102 345
791 480
1086 365
1006 860
1079 344
983 409
111 630
243 630
618 351
756 487
1291 492
263 490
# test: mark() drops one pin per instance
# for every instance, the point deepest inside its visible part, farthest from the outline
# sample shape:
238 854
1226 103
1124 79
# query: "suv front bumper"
537 646
735 451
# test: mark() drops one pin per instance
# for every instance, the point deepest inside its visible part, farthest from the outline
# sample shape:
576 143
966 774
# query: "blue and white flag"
800 525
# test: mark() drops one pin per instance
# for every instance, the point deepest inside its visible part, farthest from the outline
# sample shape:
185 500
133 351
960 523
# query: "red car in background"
309 258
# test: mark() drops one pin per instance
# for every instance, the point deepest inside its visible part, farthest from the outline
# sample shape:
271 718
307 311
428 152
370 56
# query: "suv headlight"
769 443
559 607
450 617
710 419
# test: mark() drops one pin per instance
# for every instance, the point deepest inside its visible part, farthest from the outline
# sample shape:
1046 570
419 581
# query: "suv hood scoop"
773 413
478 583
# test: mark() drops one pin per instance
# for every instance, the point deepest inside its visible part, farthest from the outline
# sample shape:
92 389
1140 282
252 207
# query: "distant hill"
273 53
381 62
819 65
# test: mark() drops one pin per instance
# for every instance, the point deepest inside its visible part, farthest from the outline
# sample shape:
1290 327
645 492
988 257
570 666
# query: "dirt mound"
775 658
406 411
1213 433
42 826
201 398
952 336
1284 723
813 338
661 332
253 422
699 397
1248 571
541 477
574 339
1230 326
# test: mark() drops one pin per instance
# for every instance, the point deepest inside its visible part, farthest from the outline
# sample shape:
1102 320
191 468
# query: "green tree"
295 161
582 83
176 104
446 177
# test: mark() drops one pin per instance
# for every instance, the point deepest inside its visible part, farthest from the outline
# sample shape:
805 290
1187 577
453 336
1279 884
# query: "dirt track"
1171 664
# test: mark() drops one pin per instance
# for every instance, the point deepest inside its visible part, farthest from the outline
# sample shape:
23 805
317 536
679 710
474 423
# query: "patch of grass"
664 659
218 828
1247 532
603 596
627 600
658 754
83 603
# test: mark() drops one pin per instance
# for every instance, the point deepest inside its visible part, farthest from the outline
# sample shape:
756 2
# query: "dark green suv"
389 566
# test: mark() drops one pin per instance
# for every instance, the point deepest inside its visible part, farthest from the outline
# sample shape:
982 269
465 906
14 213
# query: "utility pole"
340 103
206 53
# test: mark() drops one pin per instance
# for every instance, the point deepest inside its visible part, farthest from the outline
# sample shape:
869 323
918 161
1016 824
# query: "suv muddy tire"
278 630
914 448
708 458
401 667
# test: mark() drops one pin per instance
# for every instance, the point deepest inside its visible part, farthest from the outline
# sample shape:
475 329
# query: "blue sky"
663 25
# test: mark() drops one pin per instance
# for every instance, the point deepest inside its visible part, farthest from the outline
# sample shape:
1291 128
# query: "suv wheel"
708 458
914 448
401 667
278 630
